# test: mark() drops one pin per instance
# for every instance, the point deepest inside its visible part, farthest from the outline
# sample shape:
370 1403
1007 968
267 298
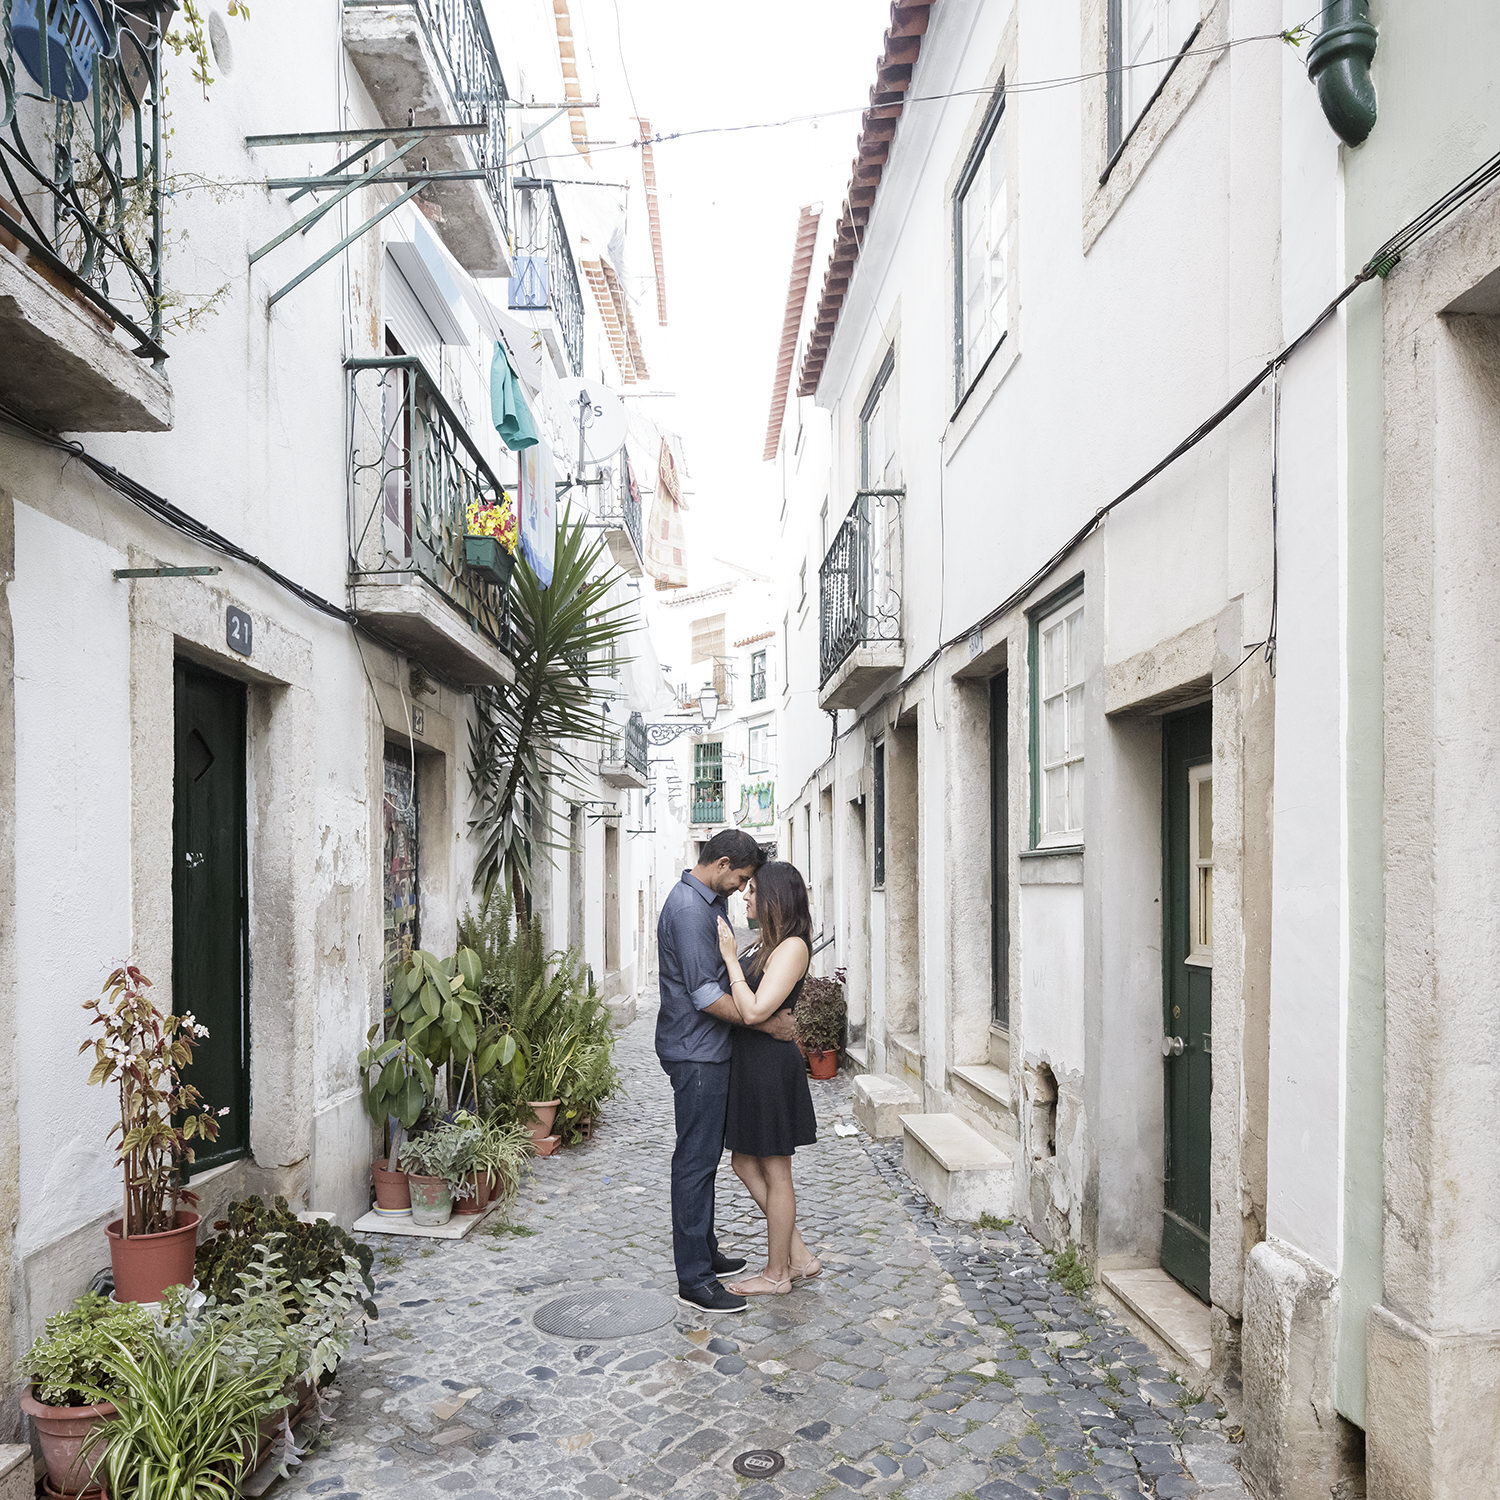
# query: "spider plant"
187 1424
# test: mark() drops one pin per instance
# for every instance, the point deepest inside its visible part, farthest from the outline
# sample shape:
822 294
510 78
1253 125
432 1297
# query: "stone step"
983 1093
879 1103
964 1174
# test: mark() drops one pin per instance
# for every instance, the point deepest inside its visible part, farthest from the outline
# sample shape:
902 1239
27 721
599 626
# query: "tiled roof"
903 45
568 52
750 640
653 213
796 295
619 321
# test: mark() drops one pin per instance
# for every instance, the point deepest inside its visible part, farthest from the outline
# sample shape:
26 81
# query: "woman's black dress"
770 1106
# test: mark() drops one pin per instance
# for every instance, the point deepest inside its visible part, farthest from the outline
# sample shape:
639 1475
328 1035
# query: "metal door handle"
1171 1046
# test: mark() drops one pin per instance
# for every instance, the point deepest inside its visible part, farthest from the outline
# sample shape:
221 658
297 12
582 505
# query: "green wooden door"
210 951
1187 879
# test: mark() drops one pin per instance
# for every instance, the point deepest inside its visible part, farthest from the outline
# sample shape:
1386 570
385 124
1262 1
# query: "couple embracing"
724 1036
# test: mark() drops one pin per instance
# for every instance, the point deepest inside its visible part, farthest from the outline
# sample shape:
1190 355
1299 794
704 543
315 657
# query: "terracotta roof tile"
903 46
796 297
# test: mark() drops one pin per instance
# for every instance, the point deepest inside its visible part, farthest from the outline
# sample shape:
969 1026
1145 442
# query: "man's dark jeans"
700 1099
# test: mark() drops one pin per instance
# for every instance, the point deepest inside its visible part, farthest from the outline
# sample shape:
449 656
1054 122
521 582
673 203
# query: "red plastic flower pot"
823 1063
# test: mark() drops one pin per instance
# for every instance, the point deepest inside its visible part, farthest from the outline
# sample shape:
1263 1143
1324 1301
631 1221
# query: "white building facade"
1138 628
240 639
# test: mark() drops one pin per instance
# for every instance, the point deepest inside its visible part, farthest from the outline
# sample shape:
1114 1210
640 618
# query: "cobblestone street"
929 1361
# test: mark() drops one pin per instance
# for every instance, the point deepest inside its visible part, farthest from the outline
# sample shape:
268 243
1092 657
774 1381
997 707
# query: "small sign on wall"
238 631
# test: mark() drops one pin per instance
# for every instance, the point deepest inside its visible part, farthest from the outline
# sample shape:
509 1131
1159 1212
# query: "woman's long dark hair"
781 911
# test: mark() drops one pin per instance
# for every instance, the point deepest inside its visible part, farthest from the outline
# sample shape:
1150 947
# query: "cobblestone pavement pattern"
930 1360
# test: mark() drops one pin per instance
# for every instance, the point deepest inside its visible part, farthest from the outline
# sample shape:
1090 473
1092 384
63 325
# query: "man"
693 1045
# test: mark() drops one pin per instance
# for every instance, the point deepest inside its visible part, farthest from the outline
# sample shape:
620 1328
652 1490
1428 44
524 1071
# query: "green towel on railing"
508 409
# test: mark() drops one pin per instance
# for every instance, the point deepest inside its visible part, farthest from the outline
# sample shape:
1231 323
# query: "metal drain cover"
759 1463
598 1314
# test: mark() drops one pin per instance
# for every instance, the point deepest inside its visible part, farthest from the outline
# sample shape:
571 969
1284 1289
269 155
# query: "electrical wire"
1379 266
172 515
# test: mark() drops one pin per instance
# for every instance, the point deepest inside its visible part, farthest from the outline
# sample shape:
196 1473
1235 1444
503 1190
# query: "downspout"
1338 62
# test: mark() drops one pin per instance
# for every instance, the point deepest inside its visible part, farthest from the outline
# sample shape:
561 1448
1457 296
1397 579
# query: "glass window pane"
1052 659
1075 721
1054 731
1075 646
1203 936
1205 849
1075 795
1055 800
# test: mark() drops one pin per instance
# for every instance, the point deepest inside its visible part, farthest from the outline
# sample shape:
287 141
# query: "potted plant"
69 1394
821 1016
435 1169
490 540
591 1080
397 1082
501 1155
143 1053
190 1409
476 1182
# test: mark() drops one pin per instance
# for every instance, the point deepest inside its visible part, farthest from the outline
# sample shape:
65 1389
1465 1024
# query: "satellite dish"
599 411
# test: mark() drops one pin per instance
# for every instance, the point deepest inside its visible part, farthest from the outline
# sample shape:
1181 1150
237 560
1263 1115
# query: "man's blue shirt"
691 973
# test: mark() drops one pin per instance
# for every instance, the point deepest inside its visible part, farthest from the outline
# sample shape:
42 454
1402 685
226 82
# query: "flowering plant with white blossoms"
143 1053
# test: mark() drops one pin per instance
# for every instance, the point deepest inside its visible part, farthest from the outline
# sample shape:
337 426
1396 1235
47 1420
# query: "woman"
770 1109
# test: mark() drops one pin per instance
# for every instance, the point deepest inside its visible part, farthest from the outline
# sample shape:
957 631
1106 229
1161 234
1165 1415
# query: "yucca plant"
522 733
187 1427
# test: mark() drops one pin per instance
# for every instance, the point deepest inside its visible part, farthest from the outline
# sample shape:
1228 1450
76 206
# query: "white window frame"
754 767
981 250
1060 704
1201 868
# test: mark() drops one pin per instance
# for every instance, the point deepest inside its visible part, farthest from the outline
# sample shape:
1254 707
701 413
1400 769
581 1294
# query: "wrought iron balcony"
81 214
620 516
859 608
545 276
433 62
626 761
708 802
413 473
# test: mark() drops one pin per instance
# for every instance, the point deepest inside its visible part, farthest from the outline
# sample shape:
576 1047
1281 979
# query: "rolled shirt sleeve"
704 976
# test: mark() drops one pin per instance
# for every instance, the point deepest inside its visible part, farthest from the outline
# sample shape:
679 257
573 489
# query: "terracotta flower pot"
431 1201
823 1063
479 1195
391 1192
545 1145
145 1265
543 1113
64 1433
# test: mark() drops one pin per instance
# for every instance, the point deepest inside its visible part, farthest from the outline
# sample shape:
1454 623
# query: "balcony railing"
546 279
413 473
81 155
626 760
708 802
461 42
858 583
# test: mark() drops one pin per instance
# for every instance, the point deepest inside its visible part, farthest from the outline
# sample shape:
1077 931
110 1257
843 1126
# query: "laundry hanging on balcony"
664 539
508 409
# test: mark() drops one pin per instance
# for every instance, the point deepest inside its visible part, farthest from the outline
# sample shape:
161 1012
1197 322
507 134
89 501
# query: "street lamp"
708 705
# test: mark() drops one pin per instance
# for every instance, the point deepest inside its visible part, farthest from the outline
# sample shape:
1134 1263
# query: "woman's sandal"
767 1287
809 1268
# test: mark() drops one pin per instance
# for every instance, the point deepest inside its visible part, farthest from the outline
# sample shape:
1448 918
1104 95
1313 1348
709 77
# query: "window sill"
1058 865
1052 851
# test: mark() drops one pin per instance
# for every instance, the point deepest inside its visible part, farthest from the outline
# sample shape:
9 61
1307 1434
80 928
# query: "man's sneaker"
729 1265
711 1298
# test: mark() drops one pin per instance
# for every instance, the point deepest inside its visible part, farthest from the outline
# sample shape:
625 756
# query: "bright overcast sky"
729 212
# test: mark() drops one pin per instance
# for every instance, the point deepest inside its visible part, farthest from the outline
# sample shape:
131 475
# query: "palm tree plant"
522 732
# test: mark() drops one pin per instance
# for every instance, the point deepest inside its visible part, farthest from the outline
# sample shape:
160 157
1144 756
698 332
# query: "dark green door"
1187 878
209 923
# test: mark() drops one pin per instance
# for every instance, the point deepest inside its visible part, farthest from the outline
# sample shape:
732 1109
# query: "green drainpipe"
1339 63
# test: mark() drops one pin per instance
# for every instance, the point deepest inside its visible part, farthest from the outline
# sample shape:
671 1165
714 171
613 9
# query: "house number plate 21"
238 633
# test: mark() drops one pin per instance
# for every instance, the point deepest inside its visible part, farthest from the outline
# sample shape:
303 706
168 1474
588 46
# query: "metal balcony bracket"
340 184
665 733
164 572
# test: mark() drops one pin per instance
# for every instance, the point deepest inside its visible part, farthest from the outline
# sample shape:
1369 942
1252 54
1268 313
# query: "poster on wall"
538 510
757 805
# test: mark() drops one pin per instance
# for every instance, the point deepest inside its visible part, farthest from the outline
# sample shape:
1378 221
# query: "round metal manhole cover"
759 1463
605 1314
